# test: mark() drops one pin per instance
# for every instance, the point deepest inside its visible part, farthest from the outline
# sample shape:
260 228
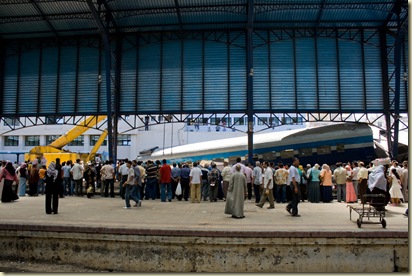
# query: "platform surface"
98 214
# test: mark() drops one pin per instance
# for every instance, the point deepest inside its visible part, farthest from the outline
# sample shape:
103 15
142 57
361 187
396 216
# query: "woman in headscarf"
313 185
326 182
9 175
303 183
350 189
23 179
52 189
395 190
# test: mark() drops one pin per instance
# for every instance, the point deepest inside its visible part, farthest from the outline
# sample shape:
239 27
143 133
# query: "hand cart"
374 207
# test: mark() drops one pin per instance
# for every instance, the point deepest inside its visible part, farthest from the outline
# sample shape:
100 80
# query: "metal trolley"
373 208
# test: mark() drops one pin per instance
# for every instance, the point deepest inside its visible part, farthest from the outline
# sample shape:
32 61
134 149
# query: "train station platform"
181 236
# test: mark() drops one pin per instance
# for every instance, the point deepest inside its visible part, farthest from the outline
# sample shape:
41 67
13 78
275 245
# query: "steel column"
249 64
105 37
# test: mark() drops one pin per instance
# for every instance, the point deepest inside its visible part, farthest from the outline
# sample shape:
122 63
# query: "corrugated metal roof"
24 18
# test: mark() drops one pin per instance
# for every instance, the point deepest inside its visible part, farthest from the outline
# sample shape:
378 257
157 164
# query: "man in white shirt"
267 187
77 172
195 180
293 180
123 171
257 181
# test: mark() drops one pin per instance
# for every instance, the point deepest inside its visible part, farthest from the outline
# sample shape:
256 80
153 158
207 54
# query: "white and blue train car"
324 144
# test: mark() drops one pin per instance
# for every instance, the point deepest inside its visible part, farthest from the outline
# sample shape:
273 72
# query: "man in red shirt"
165 182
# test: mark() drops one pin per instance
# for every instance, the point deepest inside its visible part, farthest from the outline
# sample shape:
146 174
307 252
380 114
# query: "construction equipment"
55 149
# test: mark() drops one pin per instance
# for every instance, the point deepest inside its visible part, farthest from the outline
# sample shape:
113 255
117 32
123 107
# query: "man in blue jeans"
137 184
128 185
165 182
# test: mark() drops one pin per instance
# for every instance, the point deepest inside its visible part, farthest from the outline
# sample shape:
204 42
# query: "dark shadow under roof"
48 18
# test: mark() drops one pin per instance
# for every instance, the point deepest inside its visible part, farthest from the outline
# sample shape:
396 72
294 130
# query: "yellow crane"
55 149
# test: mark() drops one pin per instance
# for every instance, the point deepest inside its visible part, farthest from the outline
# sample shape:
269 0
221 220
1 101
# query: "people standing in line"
89 176
108 175
128 185
235 200
8 173
340 178
257 181
355 178
184 182
294 180
52 190
363 176
175 178
350 190
33 180
195 183
158 166
395 190
404 181
22 170
248 174
325 179
226 173
123 172
151 180
281 178
77 172
165 182
142 178
267 186
303 183
205 183
214 182
67 189
313 184
42 179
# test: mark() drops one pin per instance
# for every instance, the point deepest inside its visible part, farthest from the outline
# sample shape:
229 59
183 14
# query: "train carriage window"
340 148
289 153
324 150
269 155
305 152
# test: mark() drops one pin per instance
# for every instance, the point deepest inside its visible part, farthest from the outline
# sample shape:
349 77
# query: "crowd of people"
265 182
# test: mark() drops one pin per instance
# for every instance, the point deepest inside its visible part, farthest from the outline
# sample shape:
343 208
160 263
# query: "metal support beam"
249 64
111 116
2 67
398 52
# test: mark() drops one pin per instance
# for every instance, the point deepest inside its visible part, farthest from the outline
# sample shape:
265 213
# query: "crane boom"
76 131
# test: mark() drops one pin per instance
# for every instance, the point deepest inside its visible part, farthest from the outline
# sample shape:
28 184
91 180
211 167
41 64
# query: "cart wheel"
359 223
383 223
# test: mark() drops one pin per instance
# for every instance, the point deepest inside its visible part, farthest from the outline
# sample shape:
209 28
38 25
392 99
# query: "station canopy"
56 18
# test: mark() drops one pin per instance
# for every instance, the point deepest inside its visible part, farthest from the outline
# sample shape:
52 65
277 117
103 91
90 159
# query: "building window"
286 154
11 122
11 141
239 121
124 140
51 138
94 138
262 121
79 141
52 120
32 140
